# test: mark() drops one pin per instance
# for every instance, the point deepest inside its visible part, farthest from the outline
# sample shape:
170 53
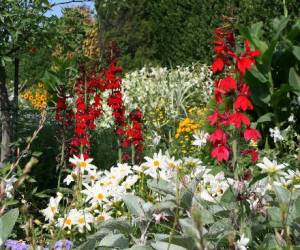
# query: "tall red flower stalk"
115 102
88 109
230 120
134 135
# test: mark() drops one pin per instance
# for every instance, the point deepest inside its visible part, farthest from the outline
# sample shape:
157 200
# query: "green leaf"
274 215
161 186
296 52
219 227
134 205
187 196
7 223
294 81
164 245
284 195
297 208
202 216
114 240
136 247
268 117
257 178
88 245
228 196
117 224
183 241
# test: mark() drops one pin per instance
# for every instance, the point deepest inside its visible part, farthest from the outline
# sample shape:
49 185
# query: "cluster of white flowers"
155 87
100 190
275 134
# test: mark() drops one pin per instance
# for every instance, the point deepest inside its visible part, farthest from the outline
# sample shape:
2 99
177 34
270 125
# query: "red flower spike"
242 103
221 153
238 118
252 134
219 136
213 119
227 84
218 65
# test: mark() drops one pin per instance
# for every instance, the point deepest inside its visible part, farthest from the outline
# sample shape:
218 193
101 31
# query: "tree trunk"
5 118
15 100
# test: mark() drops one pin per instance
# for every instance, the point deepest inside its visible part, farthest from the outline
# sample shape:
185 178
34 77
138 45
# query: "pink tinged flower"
252 134
242 103
220 152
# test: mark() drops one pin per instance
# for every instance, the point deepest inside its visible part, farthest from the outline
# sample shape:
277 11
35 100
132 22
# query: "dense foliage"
171 32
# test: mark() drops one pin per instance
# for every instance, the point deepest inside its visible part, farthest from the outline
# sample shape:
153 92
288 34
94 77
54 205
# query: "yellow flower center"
100 196
100 218
81 220
272 169
156 163
82 164
68 221
172 165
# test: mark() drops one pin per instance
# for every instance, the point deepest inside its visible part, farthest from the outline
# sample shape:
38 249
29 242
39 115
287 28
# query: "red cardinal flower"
213 119
251 134
244 90
245 61
238 118
218 136
218 65
220 152
227 84
252 152
242 103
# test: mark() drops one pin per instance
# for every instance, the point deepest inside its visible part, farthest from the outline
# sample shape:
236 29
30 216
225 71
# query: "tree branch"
71 1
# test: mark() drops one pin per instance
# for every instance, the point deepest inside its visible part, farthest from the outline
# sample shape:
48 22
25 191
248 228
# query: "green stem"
176 211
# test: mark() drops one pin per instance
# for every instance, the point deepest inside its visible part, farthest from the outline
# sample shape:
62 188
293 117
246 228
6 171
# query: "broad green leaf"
268 117
7 223
294 81
188 228
88 245
187 195
183 241
219 227
114 240
203 216
283 195
161 186
228 196
274 215
164 246
117 224
134 205
296 52
136 247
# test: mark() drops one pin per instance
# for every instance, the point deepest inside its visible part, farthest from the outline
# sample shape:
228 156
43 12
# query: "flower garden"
205 155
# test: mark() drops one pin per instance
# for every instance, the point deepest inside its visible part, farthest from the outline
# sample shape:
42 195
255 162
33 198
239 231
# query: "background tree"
171 32
22 24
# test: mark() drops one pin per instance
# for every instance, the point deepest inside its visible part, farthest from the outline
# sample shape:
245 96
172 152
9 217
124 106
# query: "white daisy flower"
95 194
69 220
200 138
271 167
81 164
52 208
